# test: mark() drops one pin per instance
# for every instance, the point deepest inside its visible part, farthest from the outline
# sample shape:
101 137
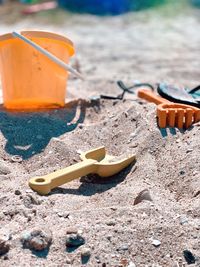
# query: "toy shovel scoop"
93 161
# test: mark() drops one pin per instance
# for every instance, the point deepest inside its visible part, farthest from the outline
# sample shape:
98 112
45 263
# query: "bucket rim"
42 34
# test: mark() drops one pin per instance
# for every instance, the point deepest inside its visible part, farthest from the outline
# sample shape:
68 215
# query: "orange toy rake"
169 113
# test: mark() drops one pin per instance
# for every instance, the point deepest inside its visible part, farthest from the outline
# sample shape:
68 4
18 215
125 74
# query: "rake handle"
151 97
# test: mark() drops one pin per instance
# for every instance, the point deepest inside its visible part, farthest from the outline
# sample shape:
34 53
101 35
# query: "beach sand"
150 47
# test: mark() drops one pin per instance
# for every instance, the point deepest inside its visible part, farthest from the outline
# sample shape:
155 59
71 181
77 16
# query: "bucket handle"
48 54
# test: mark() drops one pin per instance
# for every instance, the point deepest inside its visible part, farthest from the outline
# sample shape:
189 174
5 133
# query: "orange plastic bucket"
29 79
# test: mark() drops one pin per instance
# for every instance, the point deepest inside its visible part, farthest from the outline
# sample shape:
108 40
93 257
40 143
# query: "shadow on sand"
173 131
28 133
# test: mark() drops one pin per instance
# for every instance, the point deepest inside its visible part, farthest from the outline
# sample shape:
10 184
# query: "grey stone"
85 252
75 240
183 220
36 240
4 168
156 243
95 98
4 247
97 259
111 223
17 192
30 200
123 247
143 195
68 260
63 215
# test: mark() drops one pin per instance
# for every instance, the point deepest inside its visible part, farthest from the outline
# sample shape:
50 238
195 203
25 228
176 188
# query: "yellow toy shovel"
93 161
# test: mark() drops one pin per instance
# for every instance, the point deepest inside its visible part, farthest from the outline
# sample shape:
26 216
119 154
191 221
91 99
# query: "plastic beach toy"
180 95
93 161
196 3
108 7
30 80
100 7
48 54
171 114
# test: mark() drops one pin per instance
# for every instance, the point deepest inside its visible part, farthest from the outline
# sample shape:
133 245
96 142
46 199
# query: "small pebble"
4 247
36 240
143 195
196 193
29 191
111 223
124 262
5 257
16 158
123 247
64 215
11 212
182 172
30 200
156 243
85 252
98 259
109 237
68 260
4 168
71 230
195 172
95 98
6 236
189 257
183 220
17 192
75 240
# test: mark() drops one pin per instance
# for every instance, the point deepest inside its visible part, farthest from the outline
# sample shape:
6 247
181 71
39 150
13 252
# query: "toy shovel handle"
151 97
44 184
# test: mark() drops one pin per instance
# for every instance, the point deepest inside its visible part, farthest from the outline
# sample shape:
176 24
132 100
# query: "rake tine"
197 115
162 118
171 117
188 118
180 118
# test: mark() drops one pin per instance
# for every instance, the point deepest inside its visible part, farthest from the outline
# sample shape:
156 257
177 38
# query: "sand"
149 47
